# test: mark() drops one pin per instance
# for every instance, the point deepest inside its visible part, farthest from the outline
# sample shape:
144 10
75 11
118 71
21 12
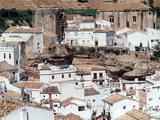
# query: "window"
37 43
111 19
16 62
152 40
157 40
75 33
52 76
55 105
150 99
69 75
81 108
62 75
124 107
101 75
9 55
134 18
94 100
4 55
95 76
134 106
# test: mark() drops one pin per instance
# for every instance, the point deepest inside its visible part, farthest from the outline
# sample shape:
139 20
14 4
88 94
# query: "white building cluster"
89 32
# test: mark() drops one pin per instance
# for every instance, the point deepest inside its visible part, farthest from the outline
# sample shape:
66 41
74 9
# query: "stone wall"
144 18
50 19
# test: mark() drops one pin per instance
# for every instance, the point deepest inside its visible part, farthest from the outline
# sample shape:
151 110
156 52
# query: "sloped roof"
6 107
72 100
114 98
50 90
29 85
135 115
72 116
91 91
4 66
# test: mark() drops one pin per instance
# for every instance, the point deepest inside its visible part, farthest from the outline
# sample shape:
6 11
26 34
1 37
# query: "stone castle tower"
50 19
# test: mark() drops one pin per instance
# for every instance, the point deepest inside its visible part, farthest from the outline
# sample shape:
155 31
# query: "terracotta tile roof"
97 67
83 70
135 115
103 30
70 17
50 90
29 85
69 116
6 107
72 116
114 98
4 66
69 101
91 91
11 95
6 74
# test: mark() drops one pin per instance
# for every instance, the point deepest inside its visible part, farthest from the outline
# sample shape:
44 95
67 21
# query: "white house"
104 37
94 100
87 31
57 73
76 106
136 84
24 34
154 36
12 111
152 90
30 90
118 105
131 38
9 53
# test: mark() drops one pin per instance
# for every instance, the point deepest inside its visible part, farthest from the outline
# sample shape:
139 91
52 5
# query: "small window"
94 100
37 43
134 19
101 75
111 19
150 99
9 55
4 55
16 62
152 40
157 40
52 76
134 106
81 108
62 75
124 107
69 75
55 105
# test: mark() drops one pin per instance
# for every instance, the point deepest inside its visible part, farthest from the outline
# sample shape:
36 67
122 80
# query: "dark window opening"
62 76
95 76
81 108
111 19
134 19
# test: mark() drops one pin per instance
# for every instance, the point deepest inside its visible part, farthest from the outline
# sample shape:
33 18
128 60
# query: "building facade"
134 15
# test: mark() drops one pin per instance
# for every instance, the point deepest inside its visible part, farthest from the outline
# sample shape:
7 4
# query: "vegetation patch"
15 17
